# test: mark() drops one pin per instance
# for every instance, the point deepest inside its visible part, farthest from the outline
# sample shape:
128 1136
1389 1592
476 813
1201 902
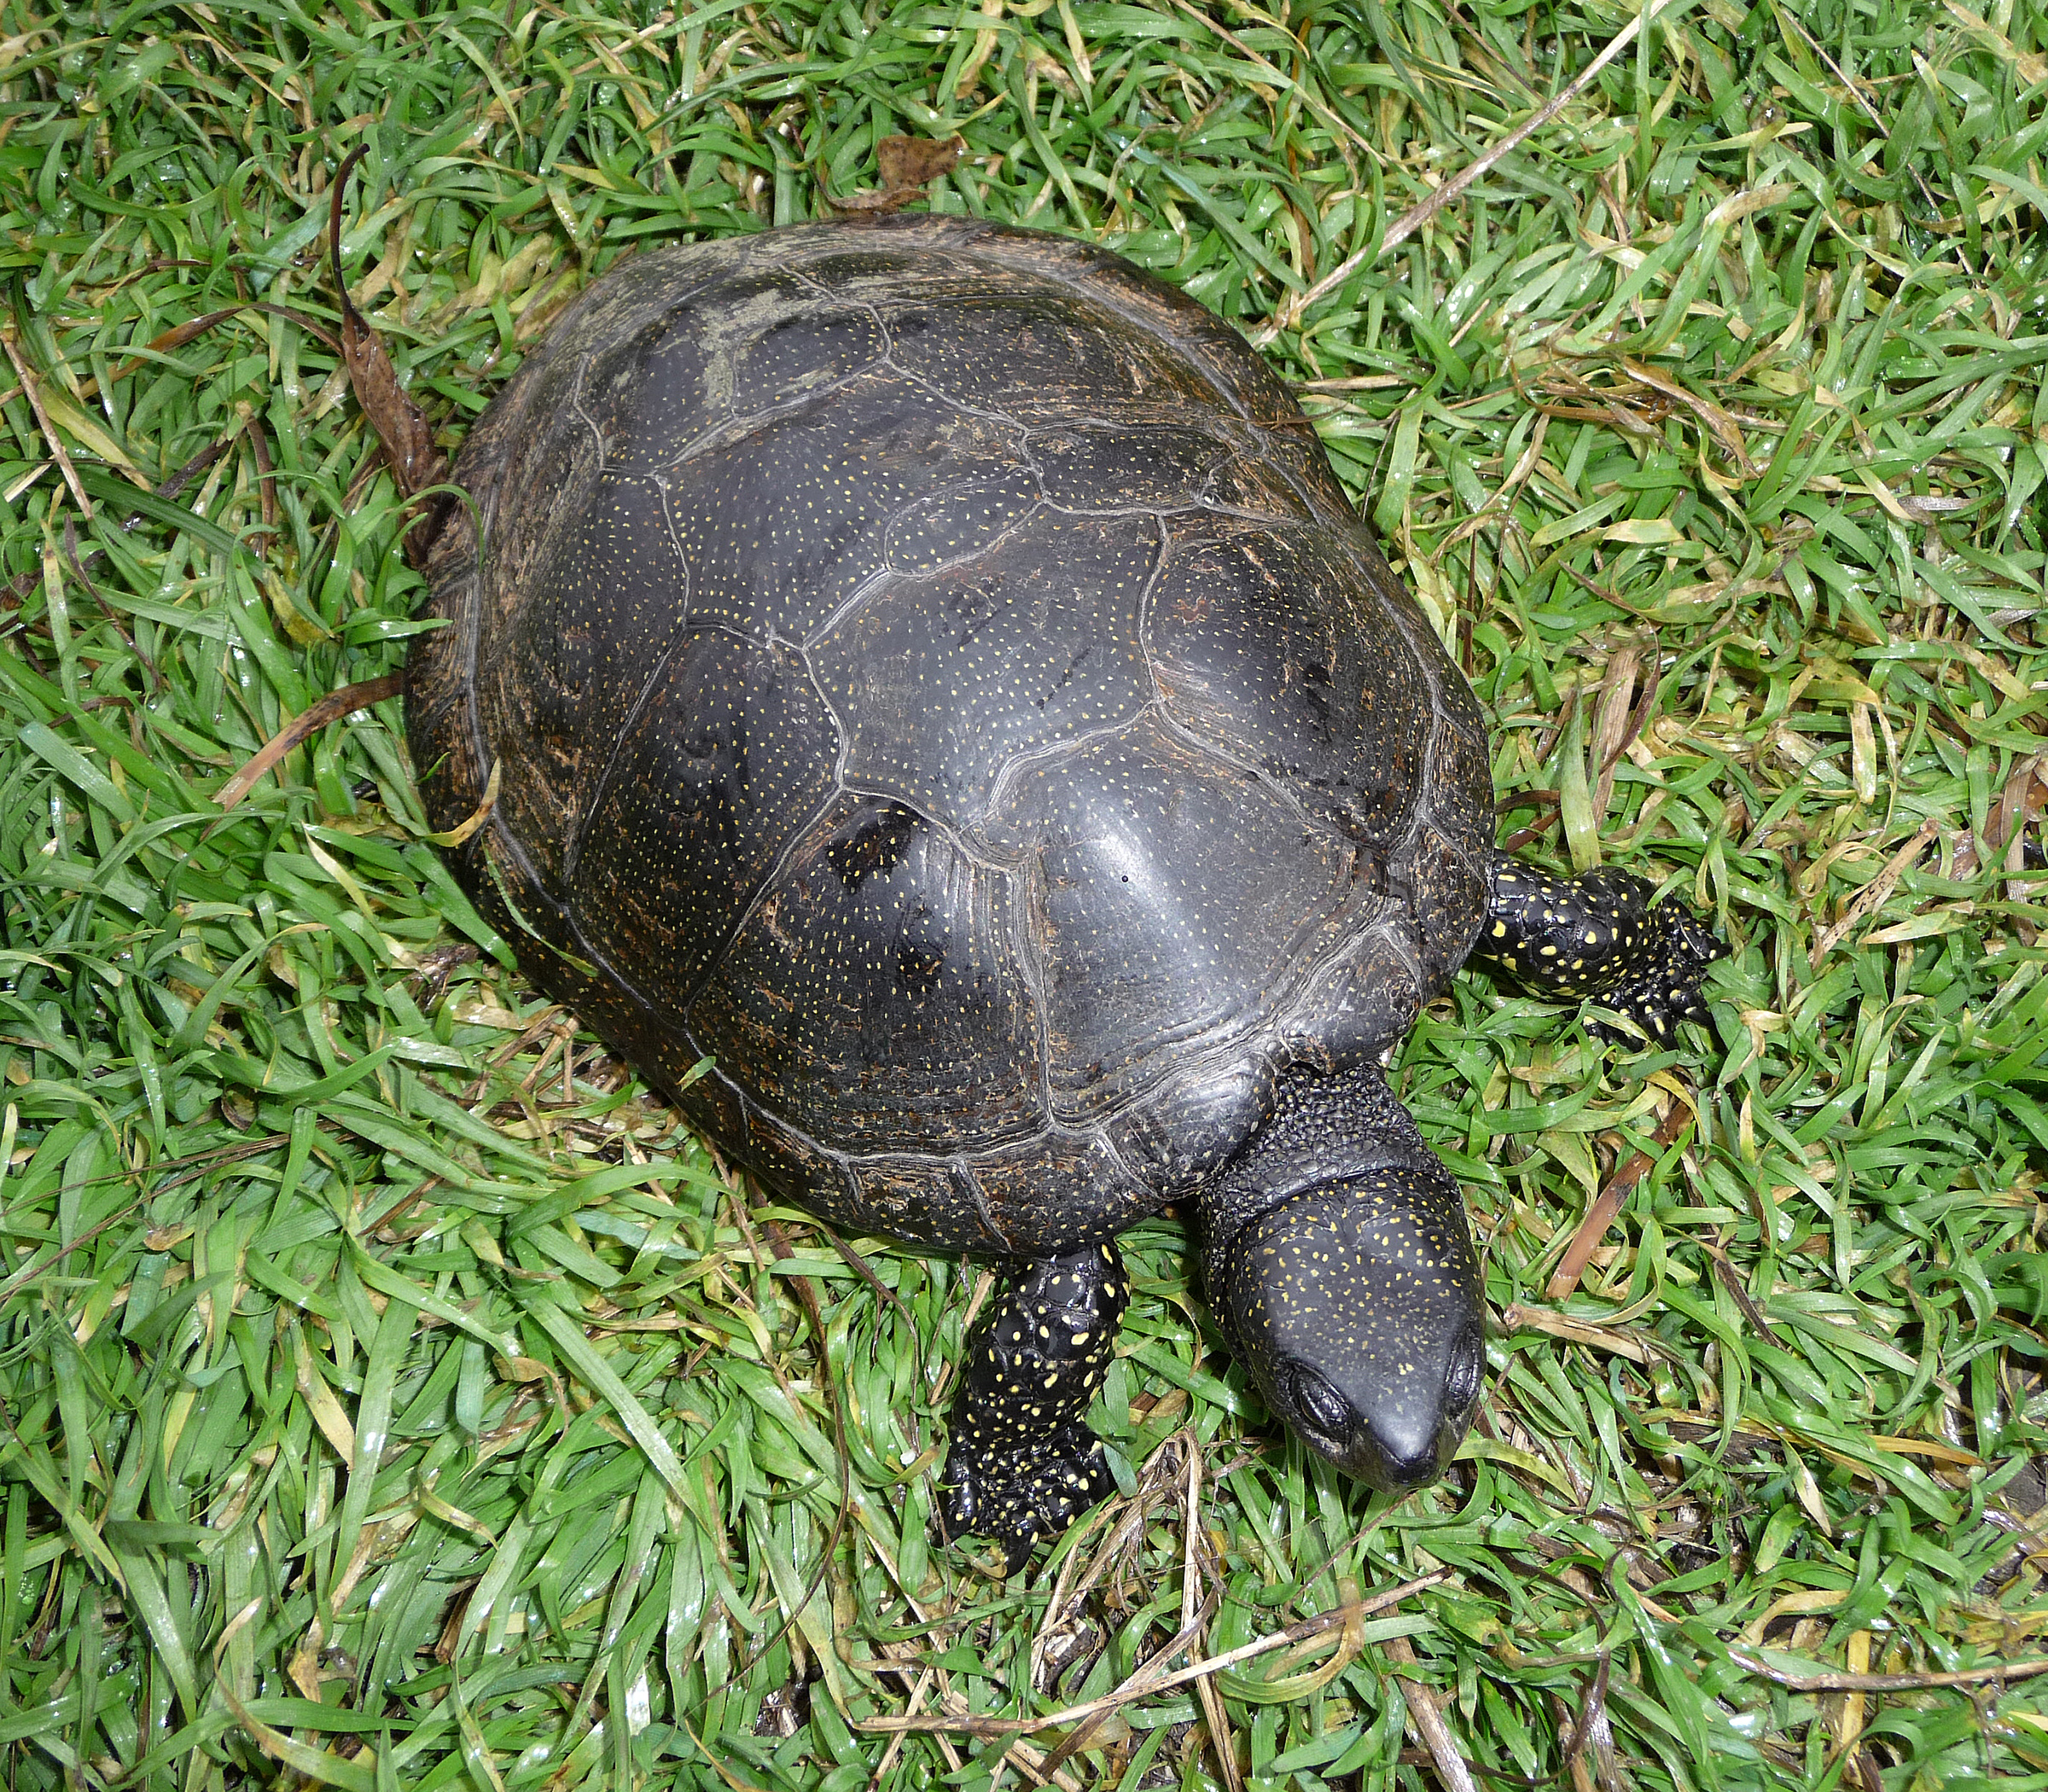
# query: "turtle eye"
1320 1407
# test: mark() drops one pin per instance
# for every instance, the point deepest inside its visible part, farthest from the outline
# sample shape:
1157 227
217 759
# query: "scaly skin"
1022 1463
1596 935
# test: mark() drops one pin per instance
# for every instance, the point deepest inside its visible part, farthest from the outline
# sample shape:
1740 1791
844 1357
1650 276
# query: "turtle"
918 690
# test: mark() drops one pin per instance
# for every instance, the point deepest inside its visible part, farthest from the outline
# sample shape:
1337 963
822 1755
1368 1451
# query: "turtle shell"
930 670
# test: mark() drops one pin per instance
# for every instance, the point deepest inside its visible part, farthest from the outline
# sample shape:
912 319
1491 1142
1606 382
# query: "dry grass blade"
1520 1318
1195 1604
1617 721
1723 426
1873 895
1987 1675
331 708
1600 1215
401 426
1154 1678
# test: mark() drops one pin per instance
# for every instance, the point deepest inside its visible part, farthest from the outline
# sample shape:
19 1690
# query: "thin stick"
1413 220
1428 1716
1143 1682
1887 1682
1220 1740
346 701
31 390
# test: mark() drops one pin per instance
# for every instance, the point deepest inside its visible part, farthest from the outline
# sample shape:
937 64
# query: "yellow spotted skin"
1596 935
1022 1463
1341 1266
928 673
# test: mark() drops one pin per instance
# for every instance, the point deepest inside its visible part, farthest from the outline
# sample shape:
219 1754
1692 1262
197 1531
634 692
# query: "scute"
941 682
873 998
651 397
1177 900
1096 467
783 526
1271 642
1042 354
1436 882
729 755
804 353
1057 1191
962 522
607 598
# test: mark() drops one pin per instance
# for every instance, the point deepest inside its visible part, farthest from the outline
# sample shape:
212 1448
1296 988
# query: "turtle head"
1355 1305
1353 1300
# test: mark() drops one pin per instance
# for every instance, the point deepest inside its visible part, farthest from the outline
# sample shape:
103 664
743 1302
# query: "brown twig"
266 475
1150 1680
1536 799
858 1264
1724 1272
346 701
1601 1215
1428 1716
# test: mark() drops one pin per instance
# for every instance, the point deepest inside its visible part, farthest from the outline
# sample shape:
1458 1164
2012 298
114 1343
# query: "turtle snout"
1411 1438
1399 1432
1356 1307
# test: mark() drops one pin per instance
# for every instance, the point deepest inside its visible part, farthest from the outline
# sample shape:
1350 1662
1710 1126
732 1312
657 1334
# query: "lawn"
391 1394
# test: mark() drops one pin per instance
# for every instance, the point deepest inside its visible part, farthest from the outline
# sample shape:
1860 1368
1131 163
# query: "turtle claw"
1026 1497
1667 990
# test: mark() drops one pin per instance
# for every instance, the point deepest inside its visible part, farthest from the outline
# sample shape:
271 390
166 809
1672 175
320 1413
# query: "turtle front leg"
1596 935
1022 1463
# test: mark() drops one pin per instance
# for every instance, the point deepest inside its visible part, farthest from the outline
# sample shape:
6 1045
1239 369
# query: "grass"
391 1395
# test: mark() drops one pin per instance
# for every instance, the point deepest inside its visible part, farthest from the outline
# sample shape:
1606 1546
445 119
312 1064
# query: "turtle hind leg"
1022 1461
1596 935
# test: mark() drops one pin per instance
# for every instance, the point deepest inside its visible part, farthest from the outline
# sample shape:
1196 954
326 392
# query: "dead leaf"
346 701
401 426
1617 722
914 161
908 166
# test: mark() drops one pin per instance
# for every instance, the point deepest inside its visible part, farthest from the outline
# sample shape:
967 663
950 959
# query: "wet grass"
393 1397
